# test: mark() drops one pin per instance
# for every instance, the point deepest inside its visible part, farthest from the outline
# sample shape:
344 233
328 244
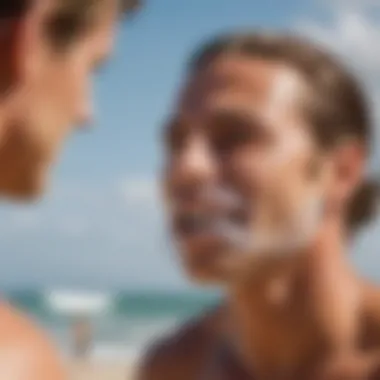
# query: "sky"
101 223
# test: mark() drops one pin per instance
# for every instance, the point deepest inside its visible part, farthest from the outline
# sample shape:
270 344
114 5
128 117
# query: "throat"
293 316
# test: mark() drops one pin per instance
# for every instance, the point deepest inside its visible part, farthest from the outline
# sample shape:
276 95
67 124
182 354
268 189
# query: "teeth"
224 219
197 222
234 234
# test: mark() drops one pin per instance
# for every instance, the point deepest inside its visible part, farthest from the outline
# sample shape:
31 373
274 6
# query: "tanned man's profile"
48 49
265 179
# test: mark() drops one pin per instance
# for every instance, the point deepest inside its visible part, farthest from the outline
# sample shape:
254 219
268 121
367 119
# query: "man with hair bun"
266 155
49 50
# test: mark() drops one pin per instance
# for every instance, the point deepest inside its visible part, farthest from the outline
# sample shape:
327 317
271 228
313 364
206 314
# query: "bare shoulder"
181 354
25 352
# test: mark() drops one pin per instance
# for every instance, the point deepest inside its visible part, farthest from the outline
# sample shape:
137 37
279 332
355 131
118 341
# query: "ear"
349 161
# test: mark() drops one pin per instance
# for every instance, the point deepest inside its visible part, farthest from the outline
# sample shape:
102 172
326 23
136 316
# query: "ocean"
122 324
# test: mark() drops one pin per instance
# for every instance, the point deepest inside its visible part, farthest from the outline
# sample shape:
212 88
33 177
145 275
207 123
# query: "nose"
192 169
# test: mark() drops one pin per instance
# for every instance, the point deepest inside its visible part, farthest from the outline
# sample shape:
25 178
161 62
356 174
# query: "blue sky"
101 224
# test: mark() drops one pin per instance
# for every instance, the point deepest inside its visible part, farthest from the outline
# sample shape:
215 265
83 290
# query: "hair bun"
364 205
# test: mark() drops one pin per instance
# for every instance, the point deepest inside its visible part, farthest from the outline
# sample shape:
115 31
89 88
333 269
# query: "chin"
23 195
25 191
227 269
213 268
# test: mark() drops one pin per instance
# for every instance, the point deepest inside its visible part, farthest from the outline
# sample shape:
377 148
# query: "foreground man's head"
266 155
49 50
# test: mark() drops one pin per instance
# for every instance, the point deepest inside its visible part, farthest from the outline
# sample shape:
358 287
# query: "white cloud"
352 31
352 3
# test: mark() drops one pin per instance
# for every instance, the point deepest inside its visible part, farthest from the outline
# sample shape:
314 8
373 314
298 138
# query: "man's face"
53 96
242 175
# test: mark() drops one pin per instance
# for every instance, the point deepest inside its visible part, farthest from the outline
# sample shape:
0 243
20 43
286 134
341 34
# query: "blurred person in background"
265 177
82 338
49 50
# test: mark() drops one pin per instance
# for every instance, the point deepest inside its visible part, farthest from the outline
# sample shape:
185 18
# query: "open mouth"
218 216
193 224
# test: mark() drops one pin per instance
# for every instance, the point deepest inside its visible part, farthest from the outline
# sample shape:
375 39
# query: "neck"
293 311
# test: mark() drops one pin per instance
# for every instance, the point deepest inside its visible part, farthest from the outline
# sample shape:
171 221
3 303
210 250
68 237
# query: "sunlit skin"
289 314
46 96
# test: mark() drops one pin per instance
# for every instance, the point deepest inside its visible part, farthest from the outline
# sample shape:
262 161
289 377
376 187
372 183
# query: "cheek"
68 86
56 104
254 169
74 89
278 173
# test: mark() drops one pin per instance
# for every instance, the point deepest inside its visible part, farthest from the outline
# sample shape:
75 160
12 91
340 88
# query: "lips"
191 223
220 215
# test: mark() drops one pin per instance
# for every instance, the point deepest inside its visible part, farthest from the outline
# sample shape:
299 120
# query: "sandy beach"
100 371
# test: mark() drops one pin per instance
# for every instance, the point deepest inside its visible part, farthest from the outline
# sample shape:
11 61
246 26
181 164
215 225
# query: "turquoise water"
125 324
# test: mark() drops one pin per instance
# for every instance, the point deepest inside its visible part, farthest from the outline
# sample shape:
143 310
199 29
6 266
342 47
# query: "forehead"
254 86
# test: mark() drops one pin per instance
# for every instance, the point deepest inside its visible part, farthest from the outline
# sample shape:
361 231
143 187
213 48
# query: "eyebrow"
217 121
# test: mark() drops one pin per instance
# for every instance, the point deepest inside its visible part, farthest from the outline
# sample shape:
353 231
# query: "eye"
230 133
